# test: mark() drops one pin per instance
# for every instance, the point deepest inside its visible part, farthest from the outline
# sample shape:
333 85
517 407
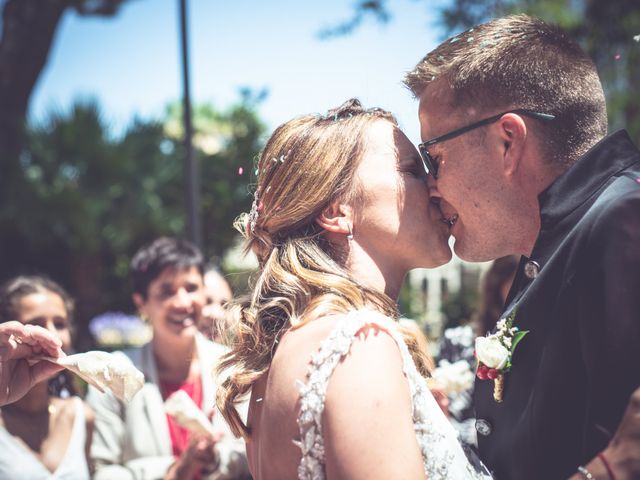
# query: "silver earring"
350 236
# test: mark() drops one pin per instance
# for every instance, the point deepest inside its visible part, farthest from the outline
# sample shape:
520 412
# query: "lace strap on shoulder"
322 365
442 455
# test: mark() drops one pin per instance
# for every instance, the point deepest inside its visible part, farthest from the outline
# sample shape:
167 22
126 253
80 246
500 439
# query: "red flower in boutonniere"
494 353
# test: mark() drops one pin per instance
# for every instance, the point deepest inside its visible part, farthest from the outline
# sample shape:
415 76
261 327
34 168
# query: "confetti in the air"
240 171
617 56
637 38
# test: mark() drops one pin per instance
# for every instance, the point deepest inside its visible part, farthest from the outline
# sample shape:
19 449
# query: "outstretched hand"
623 452
200 456
203 453
20 345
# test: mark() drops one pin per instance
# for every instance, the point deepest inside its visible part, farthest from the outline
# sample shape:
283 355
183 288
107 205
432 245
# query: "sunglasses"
431 167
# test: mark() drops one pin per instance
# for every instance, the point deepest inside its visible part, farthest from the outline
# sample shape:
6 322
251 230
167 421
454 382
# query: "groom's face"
469 179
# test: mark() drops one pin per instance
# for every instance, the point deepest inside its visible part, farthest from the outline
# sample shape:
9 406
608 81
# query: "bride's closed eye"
413 169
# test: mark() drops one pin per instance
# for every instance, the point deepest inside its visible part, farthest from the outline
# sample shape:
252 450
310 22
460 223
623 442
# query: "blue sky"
131 64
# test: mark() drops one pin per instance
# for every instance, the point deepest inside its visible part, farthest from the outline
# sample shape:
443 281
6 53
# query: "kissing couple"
515 159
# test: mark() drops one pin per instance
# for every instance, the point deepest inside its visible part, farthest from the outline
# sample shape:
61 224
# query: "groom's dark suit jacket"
572 375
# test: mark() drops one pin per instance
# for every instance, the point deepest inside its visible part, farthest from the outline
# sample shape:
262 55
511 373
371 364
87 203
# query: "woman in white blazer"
137 440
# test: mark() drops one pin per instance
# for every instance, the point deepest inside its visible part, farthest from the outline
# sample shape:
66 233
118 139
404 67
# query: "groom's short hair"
522 62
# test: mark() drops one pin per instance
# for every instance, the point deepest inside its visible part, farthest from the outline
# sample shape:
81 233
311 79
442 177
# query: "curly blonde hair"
307 164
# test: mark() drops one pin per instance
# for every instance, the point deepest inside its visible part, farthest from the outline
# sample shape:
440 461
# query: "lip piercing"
450 221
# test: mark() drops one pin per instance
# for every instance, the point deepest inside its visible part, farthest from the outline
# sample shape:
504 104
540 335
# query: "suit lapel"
153 404
206 358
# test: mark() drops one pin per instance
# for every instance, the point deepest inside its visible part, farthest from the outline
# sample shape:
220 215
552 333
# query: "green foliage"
458 307
82 202
517 338
364 8
406 305
229 142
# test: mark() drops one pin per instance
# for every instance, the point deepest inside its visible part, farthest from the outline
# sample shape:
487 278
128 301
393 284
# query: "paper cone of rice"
105 371
187 414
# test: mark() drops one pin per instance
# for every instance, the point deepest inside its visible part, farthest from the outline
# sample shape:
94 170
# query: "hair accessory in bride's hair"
256 206
336 116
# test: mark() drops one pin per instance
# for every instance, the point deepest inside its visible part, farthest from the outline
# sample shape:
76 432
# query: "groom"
514 125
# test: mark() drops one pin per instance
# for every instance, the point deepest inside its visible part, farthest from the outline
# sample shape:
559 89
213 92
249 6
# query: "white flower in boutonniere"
491 352
494 353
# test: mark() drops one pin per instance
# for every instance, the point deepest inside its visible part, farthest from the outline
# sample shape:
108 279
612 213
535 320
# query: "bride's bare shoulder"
299 343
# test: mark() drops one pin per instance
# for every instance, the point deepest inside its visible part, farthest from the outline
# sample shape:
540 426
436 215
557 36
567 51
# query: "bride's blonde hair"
307 164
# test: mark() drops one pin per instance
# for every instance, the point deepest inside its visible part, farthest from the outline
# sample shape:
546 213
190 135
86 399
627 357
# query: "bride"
341 214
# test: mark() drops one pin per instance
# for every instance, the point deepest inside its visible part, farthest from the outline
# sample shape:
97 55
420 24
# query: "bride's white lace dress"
442 454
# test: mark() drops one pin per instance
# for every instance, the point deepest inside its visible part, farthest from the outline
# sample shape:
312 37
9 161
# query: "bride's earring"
350 236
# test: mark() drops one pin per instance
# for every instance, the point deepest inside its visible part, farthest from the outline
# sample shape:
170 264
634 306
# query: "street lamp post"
194 225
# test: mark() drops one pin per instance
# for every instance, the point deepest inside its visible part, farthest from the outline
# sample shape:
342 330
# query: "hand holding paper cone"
104 371
180 406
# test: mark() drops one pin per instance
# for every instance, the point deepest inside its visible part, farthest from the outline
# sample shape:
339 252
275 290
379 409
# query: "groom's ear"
336 218
138 301
513 134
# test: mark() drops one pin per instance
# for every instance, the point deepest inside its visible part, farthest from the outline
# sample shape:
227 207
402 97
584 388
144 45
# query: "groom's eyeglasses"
431 166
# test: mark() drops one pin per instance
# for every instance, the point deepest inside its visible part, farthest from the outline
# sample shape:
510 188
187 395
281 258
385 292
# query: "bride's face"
394 218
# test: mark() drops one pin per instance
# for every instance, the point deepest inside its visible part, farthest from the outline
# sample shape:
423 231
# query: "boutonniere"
495 352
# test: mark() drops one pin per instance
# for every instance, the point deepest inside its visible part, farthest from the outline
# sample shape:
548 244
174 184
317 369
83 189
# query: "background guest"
217 294
494 289
138 440
41 426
